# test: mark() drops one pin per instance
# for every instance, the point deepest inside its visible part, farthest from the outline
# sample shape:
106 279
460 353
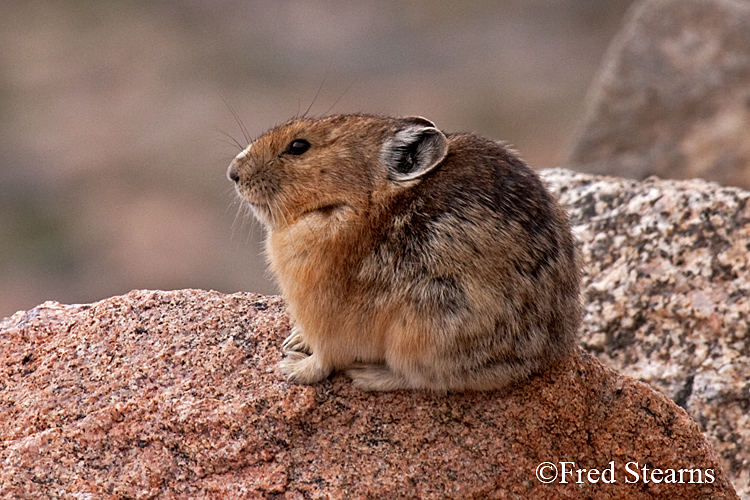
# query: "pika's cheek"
330 217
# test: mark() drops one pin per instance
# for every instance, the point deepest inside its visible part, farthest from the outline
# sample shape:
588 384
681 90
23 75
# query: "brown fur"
462 278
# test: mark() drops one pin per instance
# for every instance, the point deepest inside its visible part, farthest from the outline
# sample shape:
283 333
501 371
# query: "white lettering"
700 475
656 475
565 471
611 471
634 473
596 473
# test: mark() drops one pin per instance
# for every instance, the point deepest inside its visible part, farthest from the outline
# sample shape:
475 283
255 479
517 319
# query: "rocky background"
668 263
667 295
113 126
673 96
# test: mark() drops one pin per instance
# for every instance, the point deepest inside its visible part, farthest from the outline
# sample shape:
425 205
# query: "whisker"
237 119
286 222
249 215
234 142
340 97
241 207
325 76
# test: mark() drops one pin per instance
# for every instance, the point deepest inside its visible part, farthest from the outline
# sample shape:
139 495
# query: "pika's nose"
233 172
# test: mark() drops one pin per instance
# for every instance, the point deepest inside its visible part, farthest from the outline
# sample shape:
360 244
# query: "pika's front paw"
295 342
300 368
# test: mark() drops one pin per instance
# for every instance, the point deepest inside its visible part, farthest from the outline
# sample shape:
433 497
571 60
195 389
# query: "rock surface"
667 295
673 96
175 395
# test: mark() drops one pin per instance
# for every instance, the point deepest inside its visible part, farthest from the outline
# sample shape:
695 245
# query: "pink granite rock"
673 95
175 395
667 295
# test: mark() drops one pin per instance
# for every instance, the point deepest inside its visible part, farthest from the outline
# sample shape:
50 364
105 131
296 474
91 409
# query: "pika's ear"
413 151
418 120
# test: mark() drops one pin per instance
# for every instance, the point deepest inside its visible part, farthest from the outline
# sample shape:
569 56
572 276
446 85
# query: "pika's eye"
297 147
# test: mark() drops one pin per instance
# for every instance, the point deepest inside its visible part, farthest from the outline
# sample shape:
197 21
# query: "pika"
408 257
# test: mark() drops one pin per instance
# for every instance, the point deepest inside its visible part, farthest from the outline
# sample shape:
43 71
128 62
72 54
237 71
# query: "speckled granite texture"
174 395
667 295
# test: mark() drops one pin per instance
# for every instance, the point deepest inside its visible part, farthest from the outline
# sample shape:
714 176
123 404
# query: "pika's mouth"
261 209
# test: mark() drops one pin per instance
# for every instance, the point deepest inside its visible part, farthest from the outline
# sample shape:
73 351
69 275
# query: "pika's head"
334 168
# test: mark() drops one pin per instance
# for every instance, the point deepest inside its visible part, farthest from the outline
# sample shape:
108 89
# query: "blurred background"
116 117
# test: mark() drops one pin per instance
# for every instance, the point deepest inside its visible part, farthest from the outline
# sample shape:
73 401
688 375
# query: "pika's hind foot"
300 368
377 377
